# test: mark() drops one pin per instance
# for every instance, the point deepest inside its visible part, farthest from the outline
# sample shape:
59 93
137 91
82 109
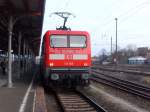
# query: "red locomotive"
66 57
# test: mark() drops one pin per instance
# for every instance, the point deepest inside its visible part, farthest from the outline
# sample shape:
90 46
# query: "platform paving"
3 79
3 82
12 98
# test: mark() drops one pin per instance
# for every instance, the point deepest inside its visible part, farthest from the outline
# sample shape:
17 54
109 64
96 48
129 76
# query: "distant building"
147 55
136 60
142 51
147 58
95 60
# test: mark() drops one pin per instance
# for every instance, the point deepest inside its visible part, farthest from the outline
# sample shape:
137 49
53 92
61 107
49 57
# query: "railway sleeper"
79 109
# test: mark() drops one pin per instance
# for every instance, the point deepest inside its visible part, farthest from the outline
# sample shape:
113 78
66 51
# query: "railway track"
128 67
128 86
130 71
75 101
68 101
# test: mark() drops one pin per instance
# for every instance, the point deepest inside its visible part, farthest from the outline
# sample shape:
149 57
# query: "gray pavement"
11 98
3 82
3 79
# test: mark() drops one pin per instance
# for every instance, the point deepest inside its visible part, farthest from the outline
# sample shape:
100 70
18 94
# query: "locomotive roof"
67 32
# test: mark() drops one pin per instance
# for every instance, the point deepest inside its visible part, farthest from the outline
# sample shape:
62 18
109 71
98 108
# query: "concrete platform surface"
3 82
3 79
12 98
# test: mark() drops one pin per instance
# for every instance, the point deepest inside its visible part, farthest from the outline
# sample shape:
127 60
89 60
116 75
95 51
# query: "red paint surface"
68 52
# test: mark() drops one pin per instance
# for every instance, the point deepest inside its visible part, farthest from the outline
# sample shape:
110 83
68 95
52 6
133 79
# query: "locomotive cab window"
77 41
58 41
68 41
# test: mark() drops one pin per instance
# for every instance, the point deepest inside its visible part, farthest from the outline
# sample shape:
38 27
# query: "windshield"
58 41
67 41
77 41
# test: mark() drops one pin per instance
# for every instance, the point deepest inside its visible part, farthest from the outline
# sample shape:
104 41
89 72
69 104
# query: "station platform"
18 98
3 80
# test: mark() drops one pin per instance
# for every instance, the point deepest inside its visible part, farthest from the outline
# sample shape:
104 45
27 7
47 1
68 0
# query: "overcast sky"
98 18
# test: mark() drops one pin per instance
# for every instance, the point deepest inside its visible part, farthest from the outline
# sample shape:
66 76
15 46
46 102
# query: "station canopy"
28 19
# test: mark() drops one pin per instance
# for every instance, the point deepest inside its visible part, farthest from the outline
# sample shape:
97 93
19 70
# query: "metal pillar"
111 46
29 59
19 54
116 42
32 59
24 46
26 66
10 29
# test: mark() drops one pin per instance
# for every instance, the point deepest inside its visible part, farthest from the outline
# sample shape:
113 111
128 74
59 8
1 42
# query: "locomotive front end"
68 57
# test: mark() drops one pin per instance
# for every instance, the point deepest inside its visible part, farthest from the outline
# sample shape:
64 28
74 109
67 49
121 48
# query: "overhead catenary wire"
137 7
66 4
109 19
133 13
124 16
128 14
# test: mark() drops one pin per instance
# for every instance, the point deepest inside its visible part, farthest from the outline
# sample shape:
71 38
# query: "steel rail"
123 86
120 70
91 102
76 101
127 82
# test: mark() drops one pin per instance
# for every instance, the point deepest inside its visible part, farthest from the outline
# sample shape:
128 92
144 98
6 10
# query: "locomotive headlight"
54 76
85 76
85 64
51 64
